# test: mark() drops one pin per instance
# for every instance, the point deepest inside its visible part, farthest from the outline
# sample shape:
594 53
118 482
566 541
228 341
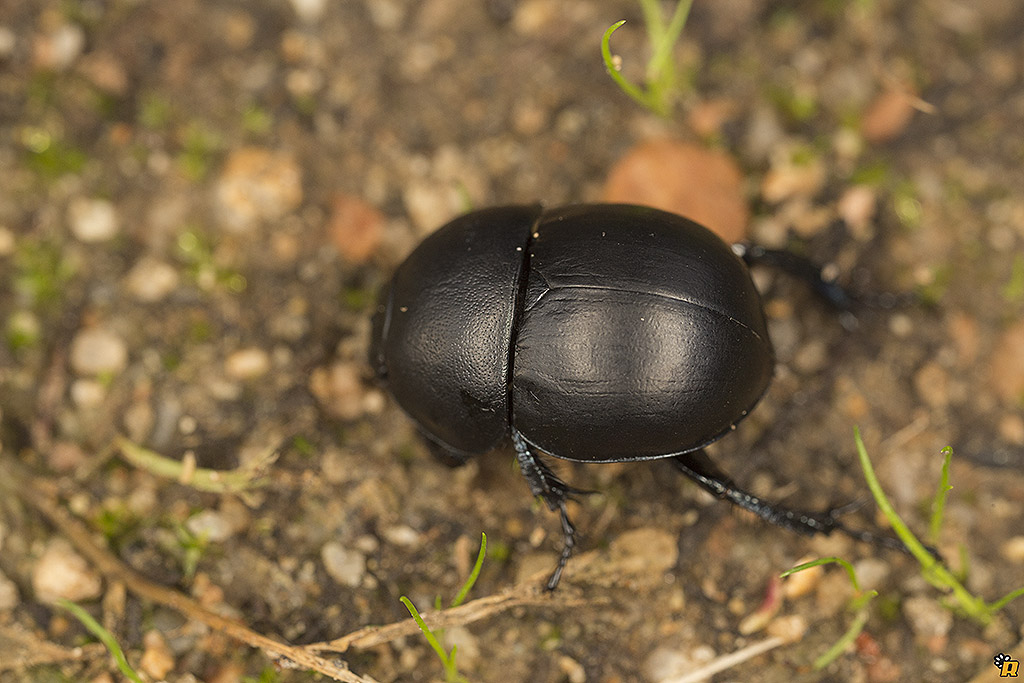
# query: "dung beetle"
591 333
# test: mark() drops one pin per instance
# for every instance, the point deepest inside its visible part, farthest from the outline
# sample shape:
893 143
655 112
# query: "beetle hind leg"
698 466
554 492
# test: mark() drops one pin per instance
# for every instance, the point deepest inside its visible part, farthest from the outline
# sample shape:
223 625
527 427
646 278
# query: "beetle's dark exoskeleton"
591 333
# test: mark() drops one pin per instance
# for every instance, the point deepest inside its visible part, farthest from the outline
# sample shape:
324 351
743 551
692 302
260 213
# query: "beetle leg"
554 492
698 466
800 267
826 287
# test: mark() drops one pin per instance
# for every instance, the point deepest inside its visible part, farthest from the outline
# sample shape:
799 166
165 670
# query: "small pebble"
386 14
87 392
256 185
344 565
931 382
962 329
927 617
465 641
209 525
7 41
96 351
647 550
60 572
308 10
402 535
1011 429
803 582
8 593
666 663
1013 549
339 387
787 179
430 203
246 364
573 670
58 49
151 280
857 208
901 325
872 573
789 628
355 227
6 241
65 456
92 220
533 16
157 659
1006 367
105 71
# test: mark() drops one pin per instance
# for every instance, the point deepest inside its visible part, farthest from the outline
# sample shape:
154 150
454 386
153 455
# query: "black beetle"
591 333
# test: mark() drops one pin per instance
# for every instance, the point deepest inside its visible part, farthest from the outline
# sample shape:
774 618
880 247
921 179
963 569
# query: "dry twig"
110 566
529 593
308 657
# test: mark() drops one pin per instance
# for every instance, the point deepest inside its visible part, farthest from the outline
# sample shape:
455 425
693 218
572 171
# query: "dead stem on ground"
43 498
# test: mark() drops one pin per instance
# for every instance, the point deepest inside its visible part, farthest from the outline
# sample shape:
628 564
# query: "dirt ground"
198 201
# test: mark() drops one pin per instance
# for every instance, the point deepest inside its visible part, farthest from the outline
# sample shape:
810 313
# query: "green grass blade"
859 604
826 560
932 570
609 62
466 587
1006 599
653 20
427 633
661 69
840 645
939 502
104 636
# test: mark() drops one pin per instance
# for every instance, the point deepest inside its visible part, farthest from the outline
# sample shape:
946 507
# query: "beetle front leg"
554 492
800 267
697 466
826 287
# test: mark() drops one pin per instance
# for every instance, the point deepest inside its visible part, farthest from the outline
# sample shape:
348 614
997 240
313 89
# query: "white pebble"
308 10
209 525
96 351
59 48
151 280
346 566
247 364
92 220
87 393
402 535
63 573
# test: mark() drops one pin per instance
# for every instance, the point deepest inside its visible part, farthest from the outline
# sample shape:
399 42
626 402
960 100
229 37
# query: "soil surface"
199 201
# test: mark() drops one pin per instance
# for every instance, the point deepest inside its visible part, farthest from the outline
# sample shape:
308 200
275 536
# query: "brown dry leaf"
702 184
355 227
888 115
